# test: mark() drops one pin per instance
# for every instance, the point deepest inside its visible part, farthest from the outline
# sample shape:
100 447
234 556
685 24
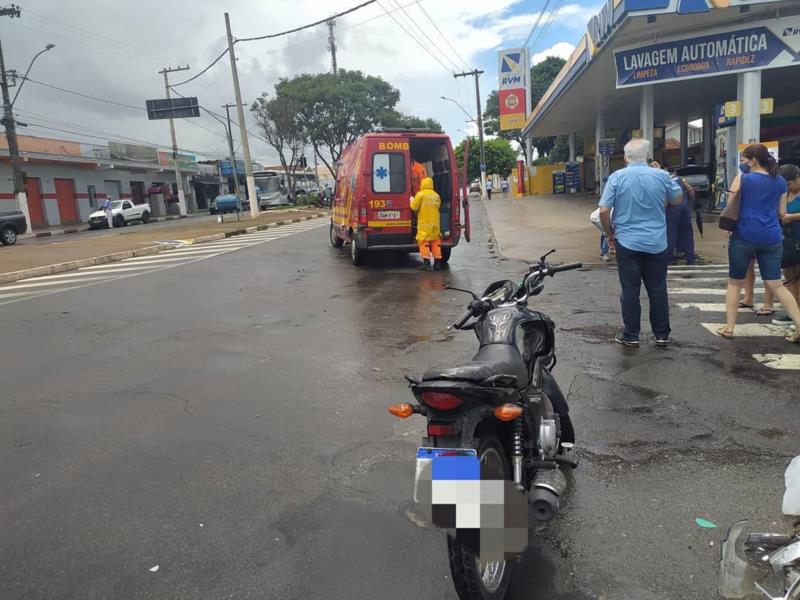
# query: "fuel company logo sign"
513 70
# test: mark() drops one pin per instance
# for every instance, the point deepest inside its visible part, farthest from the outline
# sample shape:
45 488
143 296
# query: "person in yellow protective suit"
429 236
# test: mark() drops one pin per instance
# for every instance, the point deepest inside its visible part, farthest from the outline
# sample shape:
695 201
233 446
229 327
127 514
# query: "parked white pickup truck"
122 213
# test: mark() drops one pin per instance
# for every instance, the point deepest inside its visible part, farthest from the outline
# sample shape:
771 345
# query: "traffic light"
303 162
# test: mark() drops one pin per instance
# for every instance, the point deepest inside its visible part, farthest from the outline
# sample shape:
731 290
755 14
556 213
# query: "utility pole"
476 73
332 44
11 129
248 165
227 108
178 180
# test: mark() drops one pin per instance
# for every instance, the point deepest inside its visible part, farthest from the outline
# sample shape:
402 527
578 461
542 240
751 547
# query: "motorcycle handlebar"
461 321
567 267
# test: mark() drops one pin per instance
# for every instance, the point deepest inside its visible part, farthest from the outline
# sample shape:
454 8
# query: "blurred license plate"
388 214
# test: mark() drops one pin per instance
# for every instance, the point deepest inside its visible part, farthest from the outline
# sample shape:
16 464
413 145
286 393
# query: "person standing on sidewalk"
489 188
109 213
762 192
639 195
680 233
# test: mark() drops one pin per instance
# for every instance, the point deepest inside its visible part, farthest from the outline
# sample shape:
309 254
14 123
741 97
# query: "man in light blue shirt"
637 231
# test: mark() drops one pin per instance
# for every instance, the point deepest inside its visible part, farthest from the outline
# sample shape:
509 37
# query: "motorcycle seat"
492 359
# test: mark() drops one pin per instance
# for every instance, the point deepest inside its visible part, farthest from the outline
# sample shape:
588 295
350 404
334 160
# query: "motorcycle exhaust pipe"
545 494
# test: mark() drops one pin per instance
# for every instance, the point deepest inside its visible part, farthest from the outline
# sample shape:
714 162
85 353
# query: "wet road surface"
225 420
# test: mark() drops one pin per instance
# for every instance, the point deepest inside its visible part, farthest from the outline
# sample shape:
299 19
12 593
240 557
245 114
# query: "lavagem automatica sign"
764 45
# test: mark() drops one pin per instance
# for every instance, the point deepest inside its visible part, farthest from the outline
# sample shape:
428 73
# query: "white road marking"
47 283
752 329
713 307
705 291
699 279
788 362
167 259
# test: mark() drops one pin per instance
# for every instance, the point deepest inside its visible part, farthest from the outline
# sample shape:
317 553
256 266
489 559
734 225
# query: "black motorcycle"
504 408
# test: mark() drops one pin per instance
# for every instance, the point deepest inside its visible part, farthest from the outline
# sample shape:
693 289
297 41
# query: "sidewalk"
73 252
525 228
40 232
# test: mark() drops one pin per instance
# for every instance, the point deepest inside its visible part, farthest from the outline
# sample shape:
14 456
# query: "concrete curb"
147 250
81 229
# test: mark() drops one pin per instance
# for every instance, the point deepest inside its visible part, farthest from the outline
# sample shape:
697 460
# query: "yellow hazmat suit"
426 204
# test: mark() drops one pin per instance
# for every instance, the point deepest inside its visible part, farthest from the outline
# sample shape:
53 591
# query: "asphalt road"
225 421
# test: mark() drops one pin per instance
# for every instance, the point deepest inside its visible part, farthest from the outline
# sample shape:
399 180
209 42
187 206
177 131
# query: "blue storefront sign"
771 44
226 169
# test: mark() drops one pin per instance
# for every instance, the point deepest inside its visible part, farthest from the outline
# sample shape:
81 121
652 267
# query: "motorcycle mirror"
450 287
546 255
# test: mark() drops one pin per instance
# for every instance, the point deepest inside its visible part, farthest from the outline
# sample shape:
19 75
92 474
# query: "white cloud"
560 49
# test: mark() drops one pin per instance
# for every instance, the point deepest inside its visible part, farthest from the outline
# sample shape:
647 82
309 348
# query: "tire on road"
8 236
446 251
472 580
357 255
146 217
119 221
336 241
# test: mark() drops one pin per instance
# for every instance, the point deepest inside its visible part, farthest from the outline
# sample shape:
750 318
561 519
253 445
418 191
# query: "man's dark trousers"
634 269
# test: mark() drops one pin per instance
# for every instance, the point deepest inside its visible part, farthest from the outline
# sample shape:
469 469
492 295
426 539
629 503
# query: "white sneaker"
604 257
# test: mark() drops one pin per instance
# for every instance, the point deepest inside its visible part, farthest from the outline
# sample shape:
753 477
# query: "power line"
536 24
275 35
82 95
428 40
413 37
444 37
84 32
314 24
549 23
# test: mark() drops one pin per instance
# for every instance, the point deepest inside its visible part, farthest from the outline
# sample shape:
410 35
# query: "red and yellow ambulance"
371 206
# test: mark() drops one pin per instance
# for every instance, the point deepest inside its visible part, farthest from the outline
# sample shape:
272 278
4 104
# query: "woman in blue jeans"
758 234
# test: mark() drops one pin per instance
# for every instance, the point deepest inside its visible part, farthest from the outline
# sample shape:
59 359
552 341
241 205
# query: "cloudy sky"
114 50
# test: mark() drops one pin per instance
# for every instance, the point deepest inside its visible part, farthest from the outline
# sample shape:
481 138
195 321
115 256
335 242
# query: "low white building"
66 181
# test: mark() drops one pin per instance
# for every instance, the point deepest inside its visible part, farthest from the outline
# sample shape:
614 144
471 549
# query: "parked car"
12 224
122 213
696 176
226 203
475 187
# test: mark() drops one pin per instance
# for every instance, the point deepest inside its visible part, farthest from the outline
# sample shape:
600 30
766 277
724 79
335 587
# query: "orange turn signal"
508 412
401 410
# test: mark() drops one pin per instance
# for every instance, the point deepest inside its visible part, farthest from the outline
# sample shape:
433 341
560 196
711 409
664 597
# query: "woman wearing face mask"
758 234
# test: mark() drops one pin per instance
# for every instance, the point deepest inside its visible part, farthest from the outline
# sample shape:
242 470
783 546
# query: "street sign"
483 166
173 108
608 146
767 106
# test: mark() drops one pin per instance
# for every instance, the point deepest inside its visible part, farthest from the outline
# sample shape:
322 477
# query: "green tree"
398 119
335 109
278 118
500 157
542 75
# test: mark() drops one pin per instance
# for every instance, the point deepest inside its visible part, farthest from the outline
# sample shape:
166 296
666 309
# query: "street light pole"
175 158
464 110
248 165
11 130
25 77
476 73
235 171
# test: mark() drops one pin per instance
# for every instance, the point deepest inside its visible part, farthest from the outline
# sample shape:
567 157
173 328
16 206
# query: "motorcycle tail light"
435 429
401 410
441 400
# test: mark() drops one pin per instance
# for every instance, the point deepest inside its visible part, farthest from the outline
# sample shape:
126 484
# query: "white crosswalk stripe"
693 286
141 265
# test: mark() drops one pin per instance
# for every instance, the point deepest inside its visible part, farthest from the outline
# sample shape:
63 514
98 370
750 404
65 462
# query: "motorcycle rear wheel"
473 579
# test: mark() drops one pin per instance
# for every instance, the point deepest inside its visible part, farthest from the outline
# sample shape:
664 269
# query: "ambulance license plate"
388 214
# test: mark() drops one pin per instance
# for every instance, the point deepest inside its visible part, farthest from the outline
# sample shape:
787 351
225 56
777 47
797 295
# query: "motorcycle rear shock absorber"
516 455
